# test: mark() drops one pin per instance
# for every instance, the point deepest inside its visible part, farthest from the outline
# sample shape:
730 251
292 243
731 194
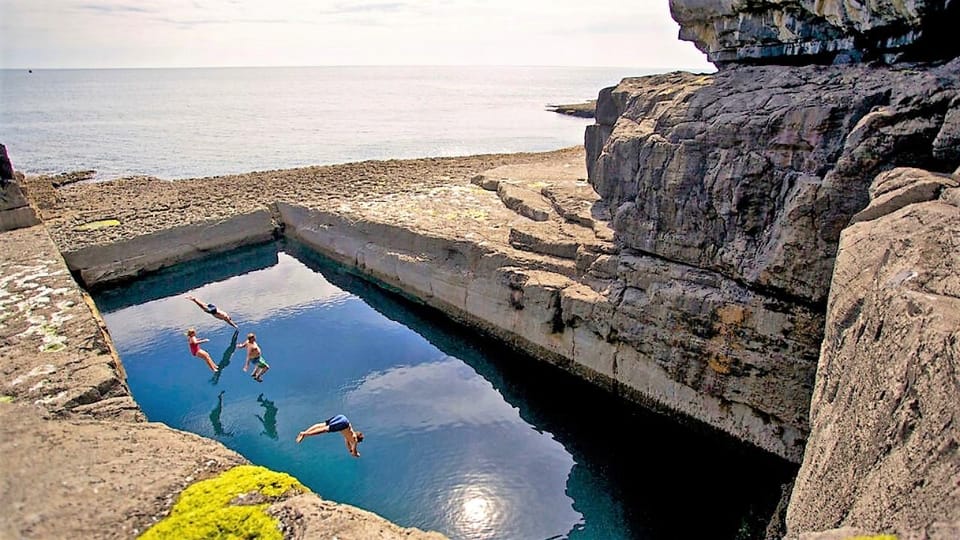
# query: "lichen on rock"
99 224
215 508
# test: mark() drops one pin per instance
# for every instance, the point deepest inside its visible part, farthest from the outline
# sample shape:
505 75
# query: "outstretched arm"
197 302
352 447
229 320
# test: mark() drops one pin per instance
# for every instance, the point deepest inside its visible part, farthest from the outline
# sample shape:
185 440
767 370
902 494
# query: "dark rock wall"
818 31
729 193
753 172
741 183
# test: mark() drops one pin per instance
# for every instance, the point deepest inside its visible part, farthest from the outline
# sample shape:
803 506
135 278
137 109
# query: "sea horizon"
649 69
189 122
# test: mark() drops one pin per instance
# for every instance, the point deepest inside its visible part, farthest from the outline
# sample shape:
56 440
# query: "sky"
38 34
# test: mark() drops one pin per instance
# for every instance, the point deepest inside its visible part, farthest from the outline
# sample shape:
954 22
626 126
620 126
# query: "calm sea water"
463 436
178 123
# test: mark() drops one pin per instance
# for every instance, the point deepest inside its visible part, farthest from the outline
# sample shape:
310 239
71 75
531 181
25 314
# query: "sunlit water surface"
463 436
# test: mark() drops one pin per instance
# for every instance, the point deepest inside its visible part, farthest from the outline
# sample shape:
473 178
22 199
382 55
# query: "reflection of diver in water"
269 419
215 418
225 359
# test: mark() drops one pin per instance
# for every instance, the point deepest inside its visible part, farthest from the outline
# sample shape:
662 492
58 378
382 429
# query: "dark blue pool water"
463 436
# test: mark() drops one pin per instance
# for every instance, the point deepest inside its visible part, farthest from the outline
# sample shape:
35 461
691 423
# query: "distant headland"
586 109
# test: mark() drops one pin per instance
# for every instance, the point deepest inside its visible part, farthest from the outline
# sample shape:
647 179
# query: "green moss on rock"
94 225
214 508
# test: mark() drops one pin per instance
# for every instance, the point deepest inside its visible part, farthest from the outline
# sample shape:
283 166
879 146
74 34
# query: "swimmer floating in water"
195 349
213 310
332 424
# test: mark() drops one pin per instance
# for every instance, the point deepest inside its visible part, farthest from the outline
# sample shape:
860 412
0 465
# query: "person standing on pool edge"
195 349
332 424
213 310
254 355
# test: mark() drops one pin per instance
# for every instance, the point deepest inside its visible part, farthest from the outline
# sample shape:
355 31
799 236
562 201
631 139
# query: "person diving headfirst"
334 424
212 309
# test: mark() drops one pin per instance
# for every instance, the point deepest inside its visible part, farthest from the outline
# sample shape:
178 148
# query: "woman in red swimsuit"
197 351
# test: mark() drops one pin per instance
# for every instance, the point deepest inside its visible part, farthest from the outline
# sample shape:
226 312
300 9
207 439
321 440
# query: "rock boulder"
15 211
885 416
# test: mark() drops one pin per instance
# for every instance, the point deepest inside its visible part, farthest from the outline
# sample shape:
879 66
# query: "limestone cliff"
883 450
730 192
818 31
749 176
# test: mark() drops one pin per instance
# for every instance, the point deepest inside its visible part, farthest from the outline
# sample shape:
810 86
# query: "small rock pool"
463 435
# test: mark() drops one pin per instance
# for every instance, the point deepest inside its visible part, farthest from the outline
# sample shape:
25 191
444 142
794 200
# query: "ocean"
185 123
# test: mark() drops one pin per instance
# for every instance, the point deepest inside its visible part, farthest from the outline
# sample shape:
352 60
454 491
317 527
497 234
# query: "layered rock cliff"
818 31
730 192
883 452
749 176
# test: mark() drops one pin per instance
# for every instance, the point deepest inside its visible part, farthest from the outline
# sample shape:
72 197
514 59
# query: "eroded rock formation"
883 450
818 31
6 168
754 173
15 211
730 193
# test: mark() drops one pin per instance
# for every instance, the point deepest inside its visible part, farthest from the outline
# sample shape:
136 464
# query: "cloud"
434 395
186 23
172 33
115 8
382 8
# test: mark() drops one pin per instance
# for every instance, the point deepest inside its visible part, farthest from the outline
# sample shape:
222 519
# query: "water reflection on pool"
462 436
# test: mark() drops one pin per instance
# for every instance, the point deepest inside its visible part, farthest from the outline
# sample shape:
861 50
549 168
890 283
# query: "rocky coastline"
586 109
770 250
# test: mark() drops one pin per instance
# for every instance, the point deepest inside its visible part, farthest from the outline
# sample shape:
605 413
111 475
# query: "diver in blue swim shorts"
213 310
333 424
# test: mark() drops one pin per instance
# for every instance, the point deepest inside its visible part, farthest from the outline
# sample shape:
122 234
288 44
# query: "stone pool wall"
79 458
518 246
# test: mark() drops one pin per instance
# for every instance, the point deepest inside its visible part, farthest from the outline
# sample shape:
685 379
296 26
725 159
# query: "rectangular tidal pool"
463 435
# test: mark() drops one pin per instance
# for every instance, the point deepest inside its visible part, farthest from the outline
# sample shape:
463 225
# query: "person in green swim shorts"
254 355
